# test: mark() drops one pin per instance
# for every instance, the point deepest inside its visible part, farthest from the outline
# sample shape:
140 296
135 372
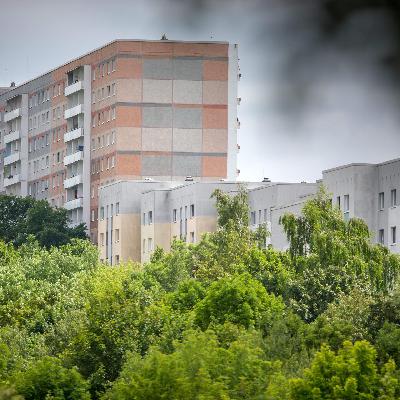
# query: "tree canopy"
226 318
22 217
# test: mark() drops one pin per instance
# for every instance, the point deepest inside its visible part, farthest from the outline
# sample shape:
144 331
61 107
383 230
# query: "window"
112 137
381 201
393 234
191 210
116 235
191 237
116 259
102 239
253 217
150 217
113 89
113 65
112 161
116 208
265 215
144 218
346 203
150 244
393 198
381 236
144 246
92 217
338 202
259 216
102 212
174 215
113 113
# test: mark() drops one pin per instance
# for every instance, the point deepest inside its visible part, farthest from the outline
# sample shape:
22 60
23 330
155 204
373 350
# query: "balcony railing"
71 112
73 181
12 158
11 180
10 115
11 137
73 88
73 204
74 157
74 134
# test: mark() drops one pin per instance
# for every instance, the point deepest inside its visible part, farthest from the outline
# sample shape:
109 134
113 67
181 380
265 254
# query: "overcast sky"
309 102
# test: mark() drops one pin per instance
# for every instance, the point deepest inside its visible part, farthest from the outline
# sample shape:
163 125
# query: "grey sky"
309 102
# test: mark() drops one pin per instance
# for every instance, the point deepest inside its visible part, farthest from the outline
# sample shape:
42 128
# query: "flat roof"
109 44
361 165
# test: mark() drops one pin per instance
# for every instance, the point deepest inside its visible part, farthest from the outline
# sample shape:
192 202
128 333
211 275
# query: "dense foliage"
22 217
223 319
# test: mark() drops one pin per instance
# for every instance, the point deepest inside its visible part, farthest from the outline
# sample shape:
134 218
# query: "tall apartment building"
130 110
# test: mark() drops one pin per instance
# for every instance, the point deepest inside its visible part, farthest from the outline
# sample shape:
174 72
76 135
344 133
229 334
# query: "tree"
47 378
330 256
199 368
13 211
351 374
240 300
24 216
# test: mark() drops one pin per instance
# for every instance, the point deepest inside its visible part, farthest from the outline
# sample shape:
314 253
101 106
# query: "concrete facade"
370 192
130 110
152 214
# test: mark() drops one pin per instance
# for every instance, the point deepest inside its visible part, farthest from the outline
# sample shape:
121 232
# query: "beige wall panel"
101 230
188 92
163 236
130 237
205 224
129 90
157 139
129 138
189 140
215 140
215 92
157 91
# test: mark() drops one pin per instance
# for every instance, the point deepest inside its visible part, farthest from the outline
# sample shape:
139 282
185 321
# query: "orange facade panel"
215 118
128 68
129 116
215 70
214 166
201 49
128 164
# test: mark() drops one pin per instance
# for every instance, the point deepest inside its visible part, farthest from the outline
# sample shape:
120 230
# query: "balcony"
73 204
12 158
70 182
11 137
11 180
73 88
9 116
74 157
74 134
71 112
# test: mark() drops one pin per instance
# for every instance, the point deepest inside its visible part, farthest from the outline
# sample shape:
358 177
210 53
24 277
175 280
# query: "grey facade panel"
157 68
41 82
188 118
156 165
157 117
186 165
191 70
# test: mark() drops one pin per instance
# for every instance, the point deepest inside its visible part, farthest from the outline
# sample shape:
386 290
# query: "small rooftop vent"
12 84
189 179
266 180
